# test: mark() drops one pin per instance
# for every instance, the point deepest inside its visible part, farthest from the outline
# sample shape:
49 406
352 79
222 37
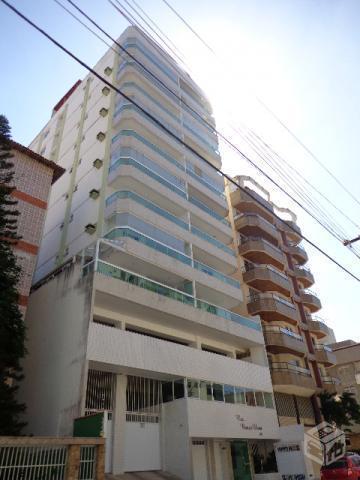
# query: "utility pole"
349 242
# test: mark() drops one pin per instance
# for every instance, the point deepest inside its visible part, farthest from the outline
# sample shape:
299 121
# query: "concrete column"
73 463
119 420
100 462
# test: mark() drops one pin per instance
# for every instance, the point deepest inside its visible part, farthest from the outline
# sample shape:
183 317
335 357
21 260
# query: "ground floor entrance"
216 459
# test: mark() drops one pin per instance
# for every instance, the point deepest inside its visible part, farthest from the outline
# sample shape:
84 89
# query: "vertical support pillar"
119 420
100 462
73 463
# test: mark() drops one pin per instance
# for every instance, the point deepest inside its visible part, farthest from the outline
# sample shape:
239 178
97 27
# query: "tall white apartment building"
134 307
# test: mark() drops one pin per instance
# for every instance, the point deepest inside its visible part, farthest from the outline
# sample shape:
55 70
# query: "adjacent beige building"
275 282
346 374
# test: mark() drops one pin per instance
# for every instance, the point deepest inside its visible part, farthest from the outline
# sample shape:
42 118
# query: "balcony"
291 229
304 275
324 354
291 379
116 286
310 300
317 326
133 353
330 384
298 253
272 307
253 225
258 250
280 340
244 202
267 279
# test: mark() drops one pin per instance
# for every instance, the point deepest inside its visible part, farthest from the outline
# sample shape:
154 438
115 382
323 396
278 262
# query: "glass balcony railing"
147 143
214 273
129 152
212 240
151 98
143 282
130 161
130 107
134 43
208 210
119 232
206 182
289 367
121 274
222 312
123 194
147 204
209 146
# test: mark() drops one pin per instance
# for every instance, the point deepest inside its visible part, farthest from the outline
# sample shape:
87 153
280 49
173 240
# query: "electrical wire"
340 238
271 112
171 134
305 197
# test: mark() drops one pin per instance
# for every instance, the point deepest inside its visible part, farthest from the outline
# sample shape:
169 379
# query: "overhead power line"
170 133
338 236
268 109
262 150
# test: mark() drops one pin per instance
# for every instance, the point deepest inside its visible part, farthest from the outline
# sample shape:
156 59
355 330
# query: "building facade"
134 306
345 375
33 177
275 281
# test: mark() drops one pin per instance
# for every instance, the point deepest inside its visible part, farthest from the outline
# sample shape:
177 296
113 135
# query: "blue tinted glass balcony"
129 161
121 232
208 210
234 317
143 282
205 181
132 133
212 240
214 273
147 204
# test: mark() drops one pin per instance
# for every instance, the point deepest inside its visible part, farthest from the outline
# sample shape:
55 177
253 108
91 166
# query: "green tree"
12 328
341 410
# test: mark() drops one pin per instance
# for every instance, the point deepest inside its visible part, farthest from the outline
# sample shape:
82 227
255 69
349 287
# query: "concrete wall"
133 353
57 323
176 444
224 420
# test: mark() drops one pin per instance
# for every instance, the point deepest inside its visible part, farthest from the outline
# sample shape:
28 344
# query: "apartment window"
229 394
240 395
250 398
218 392
101 136
167 392
179 390
205 391
105 91
268 399
259 399
193 388
108 71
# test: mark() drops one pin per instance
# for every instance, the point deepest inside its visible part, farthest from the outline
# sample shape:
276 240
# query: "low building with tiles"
33 177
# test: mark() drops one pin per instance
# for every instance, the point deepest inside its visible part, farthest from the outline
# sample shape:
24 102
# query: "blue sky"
300 56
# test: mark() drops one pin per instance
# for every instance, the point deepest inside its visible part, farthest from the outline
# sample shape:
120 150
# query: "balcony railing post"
73 463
